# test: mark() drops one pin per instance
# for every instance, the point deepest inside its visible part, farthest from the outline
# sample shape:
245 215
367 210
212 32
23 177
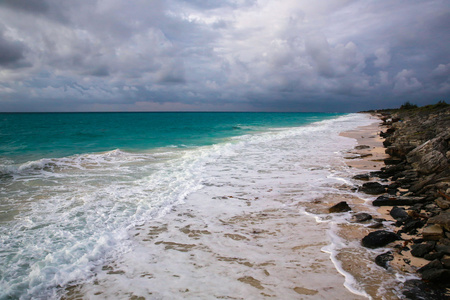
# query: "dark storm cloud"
34 6
222 55
12 53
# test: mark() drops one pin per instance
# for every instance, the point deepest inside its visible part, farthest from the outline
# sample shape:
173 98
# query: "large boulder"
379 238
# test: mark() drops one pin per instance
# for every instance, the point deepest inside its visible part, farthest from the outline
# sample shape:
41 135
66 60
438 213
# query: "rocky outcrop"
418 173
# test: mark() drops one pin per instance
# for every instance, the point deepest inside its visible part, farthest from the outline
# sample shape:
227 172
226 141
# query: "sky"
222 55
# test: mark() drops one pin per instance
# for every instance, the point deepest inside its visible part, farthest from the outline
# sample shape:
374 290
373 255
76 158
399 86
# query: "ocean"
178 205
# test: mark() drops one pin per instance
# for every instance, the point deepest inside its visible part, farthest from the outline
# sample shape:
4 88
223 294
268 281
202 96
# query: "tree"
408 105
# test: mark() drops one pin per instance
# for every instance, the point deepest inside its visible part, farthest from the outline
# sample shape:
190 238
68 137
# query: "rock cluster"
416 183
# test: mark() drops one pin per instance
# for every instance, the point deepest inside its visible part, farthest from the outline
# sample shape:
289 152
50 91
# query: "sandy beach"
371 158
257 243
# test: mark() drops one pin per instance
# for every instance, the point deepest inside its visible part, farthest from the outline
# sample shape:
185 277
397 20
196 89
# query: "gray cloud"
12 53
34 6
222 55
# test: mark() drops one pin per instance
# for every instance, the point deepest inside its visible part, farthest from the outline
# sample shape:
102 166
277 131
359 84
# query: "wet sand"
371 159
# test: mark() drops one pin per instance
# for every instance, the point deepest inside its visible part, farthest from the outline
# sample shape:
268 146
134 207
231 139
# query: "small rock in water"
340 207
382 260
379 238
375 225
360 147
364 177
360 217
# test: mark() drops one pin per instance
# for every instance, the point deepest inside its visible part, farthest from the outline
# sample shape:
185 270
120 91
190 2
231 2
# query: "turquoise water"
25 137
72 185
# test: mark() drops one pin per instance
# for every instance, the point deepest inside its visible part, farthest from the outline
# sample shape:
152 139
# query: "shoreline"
374 154
243 235
262 248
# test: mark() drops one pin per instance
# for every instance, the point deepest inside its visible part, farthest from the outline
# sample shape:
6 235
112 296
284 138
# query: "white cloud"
405 82
383 58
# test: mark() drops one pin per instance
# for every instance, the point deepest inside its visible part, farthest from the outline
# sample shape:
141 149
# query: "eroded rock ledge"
416 183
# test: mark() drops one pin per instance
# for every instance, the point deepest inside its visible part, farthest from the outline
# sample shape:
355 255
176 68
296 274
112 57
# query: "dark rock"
416 207
393 185
386 143
444 241
379 220
391 130
395 150
411 226
443 248
433 255
380 174
382 260
419 184
373 188
375 225
365 177
392 191
446 262
441 276
399 213
340 207
393 161
360 147
360 217
419 290
419 250
379 238
397 201
435 264
395 169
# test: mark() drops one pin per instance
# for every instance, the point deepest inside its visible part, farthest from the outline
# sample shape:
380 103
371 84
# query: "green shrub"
408 105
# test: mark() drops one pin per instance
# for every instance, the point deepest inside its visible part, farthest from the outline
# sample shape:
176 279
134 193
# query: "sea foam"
80 212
